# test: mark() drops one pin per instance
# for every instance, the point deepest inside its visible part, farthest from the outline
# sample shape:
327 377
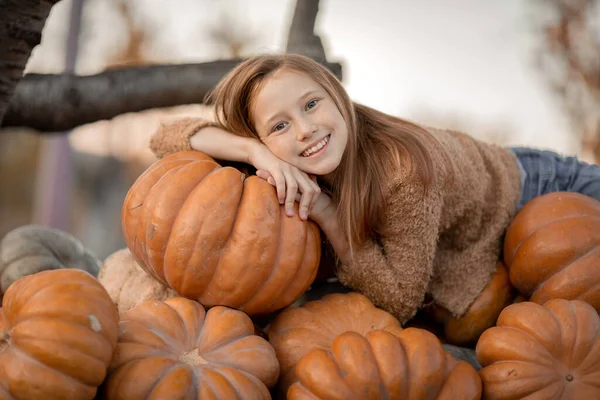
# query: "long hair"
378 144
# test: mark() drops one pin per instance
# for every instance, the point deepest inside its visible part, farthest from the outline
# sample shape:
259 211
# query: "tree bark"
52 103
21 24
301 37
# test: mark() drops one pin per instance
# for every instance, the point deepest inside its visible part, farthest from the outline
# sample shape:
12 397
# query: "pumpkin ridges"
35 370
161 209
240 354
389 356
23 368
173 384
426 361
303 276
189 231
556 206
354 357
577 339
247 249
459 376
270 289
547 252
531 378
132 211
571 281
192 319
28 295
318 366
118 381
191 353
572 315
222 326
250 384
57 332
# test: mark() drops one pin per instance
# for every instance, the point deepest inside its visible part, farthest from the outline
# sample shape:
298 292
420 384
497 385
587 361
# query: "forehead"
280 90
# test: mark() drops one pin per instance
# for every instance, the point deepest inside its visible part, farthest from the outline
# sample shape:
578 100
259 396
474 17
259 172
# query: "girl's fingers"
291 190
307 187
261 173
280 185
271 181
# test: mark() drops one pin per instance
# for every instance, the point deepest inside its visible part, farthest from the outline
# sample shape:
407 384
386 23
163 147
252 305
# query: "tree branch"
21 24
51 103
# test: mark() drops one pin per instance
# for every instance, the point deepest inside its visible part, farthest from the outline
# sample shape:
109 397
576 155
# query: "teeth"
316 147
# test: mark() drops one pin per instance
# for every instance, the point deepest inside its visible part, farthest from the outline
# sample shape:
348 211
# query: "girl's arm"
205 136
201 135
394 273
325 216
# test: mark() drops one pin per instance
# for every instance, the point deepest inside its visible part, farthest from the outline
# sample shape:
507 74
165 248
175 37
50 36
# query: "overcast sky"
472 58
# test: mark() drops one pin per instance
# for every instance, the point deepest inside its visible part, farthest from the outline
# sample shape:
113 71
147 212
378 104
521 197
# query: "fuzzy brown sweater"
446 244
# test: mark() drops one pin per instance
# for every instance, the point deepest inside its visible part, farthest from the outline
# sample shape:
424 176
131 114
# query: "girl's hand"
300 187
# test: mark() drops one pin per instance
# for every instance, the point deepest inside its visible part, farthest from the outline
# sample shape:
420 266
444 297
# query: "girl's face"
299 122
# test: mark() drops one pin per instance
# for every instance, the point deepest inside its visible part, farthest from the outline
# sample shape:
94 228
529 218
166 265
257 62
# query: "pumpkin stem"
192 357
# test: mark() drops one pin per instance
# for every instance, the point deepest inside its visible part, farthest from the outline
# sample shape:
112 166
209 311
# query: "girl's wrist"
325 216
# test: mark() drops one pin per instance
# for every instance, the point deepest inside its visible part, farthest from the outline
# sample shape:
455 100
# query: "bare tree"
21 24
85 99
570 59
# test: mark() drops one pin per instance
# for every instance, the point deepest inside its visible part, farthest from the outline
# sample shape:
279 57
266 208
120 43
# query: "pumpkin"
58 332
316 327
297 331
410 366
175 349
127 284
32 248
481 315
549 351
552 248
217 236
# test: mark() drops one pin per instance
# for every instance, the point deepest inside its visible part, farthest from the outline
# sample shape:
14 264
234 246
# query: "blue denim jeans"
545 171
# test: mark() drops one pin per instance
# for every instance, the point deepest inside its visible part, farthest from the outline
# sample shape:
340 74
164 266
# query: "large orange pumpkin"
411 365
481 315
542 352
314 327
552 248
217 236
58 332
177 350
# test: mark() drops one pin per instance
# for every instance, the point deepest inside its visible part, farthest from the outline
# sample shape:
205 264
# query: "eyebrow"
274 117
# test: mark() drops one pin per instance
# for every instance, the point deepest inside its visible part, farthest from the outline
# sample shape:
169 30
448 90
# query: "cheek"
278 147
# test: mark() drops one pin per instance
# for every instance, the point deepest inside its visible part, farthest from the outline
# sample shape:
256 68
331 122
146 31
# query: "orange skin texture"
216 236
549 352
482 314
343 347
58 332
176 349
552 248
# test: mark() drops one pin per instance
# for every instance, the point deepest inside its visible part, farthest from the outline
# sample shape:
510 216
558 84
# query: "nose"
306 129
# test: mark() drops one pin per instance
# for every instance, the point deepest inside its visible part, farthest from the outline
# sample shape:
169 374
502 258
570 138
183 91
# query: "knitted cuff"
175 136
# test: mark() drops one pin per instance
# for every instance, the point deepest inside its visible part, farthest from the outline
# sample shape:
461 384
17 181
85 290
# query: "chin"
322 170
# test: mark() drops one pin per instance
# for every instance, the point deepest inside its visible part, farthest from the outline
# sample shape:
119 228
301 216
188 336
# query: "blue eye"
311 104
279 126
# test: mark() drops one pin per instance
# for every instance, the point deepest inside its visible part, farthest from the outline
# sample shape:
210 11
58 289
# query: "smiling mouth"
317 148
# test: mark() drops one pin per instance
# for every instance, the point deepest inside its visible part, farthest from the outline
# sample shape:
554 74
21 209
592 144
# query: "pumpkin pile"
208 300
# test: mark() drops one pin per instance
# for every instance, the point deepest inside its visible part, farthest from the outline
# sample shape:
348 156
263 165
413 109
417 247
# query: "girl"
408 210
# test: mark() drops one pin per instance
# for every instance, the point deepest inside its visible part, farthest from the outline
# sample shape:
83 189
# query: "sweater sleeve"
175 136
394 273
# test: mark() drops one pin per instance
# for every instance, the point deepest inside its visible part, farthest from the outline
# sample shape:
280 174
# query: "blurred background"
511 72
